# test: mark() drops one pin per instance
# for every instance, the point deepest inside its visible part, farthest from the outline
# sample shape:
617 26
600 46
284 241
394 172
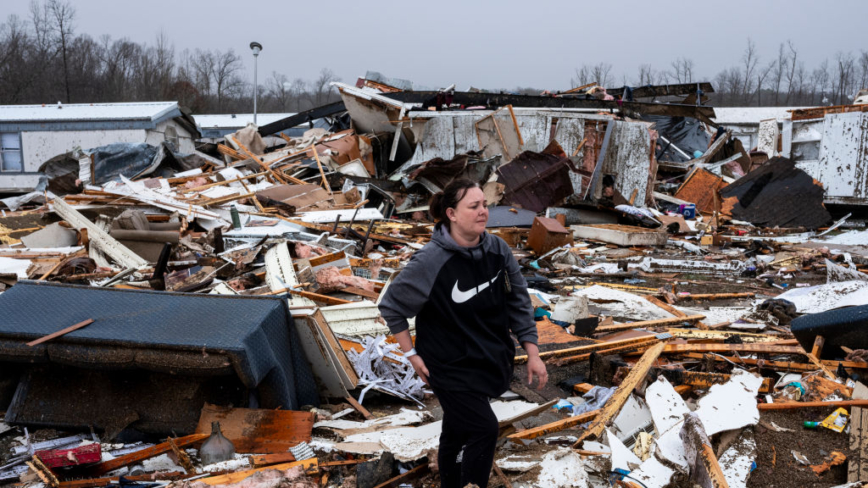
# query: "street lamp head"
256 47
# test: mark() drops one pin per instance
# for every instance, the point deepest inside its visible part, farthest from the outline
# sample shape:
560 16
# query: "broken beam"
647 324
792 405
138 456
701 347
61 332
588 348
625 389
554 426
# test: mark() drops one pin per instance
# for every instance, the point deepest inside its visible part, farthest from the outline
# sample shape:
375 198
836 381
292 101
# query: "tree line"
781 80
43 59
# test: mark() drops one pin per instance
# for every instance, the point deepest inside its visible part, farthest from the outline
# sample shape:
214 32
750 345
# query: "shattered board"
412 443
621 304
776 195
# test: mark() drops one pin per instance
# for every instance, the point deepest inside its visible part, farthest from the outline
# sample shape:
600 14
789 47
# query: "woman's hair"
449 198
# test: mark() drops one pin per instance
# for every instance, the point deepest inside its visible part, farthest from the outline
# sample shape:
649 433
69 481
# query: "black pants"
468 423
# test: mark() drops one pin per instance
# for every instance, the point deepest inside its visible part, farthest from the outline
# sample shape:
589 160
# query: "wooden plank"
359 408
319 298
97 482
587 348
815 359
780 365
678 348
721 335
361 292
857 466
615 350
269 459
413 474
61 332
556 426
625 389
229 478
139 456
334 348
258 431
793 405
531 413
817 350
715 296
674 311
647 324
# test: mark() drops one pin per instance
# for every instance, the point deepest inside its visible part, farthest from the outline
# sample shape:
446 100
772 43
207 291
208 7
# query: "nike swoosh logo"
459 296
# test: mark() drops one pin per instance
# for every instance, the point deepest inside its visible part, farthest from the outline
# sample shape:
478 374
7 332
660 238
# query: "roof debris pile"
689 296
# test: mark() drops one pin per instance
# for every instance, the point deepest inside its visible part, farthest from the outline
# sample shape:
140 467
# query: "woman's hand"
535 365
420 368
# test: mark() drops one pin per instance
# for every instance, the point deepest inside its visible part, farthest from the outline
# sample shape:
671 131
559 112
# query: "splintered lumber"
227 199
139 456
759 347
413 474
43 472
221 183
228 151
588 348
531 413
359 408
700 454
814 357
746 337
704 381
281 177
715 296
61 332
792 405
647 324
97 482
319 298
857 465
632 348
554 426
269 459
625 389
230 478
258 431
780 365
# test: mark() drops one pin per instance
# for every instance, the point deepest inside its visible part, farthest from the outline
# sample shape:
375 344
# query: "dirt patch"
776 466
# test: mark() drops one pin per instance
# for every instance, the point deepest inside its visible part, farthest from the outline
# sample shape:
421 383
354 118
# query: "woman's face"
470 215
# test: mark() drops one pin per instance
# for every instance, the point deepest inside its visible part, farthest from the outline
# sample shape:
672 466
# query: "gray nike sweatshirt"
466 301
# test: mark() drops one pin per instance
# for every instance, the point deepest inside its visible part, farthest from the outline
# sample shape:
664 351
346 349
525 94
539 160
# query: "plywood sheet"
258 431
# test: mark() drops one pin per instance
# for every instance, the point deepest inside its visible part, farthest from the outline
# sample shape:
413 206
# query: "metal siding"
628 157
569 134
535 130
464 129
39 147
841 169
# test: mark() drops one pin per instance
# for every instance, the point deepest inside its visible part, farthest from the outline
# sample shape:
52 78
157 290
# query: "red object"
58 458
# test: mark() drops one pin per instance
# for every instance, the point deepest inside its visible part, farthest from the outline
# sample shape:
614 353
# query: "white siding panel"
39 147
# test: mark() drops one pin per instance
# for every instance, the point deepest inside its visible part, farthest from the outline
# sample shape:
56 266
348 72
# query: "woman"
467 293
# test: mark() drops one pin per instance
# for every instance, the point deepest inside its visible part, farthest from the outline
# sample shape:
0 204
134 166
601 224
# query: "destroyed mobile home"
210 318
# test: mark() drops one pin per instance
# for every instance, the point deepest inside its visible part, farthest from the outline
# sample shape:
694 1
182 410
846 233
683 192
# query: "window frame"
3 151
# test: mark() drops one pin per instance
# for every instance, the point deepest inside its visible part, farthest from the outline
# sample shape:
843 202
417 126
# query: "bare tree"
279 90
600 73
845 63
63 14
761 76
791 73
749 60
863 70
647 75
778 71
682 70
320 87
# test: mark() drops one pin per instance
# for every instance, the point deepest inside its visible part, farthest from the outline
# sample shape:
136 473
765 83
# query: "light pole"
255 47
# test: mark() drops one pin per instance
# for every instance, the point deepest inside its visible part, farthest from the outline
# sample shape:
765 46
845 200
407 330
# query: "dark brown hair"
449 198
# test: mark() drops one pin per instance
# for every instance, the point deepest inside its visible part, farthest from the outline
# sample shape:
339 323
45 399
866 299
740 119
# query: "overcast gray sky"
500 44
